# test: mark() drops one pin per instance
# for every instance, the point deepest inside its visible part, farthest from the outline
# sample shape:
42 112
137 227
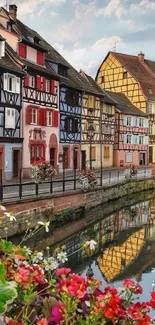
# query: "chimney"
13 12
141 56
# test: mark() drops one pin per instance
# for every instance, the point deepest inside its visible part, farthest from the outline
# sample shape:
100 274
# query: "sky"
83 31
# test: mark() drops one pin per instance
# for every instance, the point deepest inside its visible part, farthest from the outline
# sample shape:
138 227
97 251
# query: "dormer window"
9 27
31 39
36 40
62 71
150 91
125 75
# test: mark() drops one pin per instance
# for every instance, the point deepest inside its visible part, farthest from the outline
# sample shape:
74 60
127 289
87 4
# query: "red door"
66 158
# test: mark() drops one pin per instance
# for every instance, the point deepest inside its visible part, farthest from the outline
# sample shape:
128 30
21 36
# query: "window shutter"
146 141
52 86
40 58
55 118
22 50
38 82
5 81
146 123
26 80
138 122
134 121
18 85
42 116
44 84
125 121
28 114
125 139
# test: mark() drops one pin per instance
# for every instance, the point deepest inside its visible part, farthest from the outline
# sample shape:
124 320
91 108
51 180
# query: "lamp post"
90 134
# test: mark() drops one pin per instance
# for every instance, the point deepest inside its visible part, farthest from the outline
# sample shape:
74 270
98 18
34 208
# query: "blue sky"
83 31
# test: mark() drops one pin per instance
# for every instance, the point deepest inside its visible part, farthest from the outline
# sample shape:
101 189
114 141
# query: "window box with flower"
41 171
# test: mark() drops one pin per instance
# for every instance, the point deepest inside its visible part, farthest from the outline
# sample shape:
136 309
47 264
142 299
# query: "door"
142 158
65 157
52 157
150 155
16 163
83 159
75 157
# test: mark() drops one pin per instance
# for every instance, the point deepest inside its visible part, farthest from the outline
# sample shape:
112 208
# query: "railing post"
101 175
109 178
63 180
74 179
51 185
37 189
1 184
20 183
118 177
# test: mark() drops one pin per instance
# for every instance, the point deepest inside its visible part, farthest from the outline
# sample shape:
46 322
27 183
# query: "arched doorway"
53 150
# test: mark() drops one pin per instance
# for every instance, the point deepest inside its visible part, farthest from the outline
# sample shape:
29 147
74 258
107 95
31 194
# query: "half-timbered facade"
131 133
11 139
97 111
40 92
135 77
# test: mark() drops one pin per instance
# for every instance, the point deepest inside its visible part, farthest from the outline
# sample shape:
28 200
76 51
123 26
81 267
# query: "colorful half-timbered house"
131 133
40 92
11 140
135 77
98 111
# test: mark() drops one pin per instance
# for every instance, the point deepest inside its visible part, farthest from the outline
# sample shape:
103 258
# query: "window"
48 85
106 152
141 139
90 111
128 121
49 118
71 125
102 79
150 108
62 70
106 129
125 75
150 129
33 116
91 101
11 83
108 109
32 81
10 118
150 91
93 153
141 122
37 152
128 138
37 135
128 157
72 98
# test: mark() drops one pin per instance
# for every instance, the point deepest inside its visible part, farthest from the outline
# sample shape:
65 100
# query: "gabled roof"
140 71
7 61
124 106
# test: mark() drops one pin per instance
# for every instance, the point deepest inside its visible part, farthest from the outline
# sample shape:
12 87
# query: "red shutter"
52 86
55 118
22 50
40 58
42 117
28 114
26 80
44 84
38 82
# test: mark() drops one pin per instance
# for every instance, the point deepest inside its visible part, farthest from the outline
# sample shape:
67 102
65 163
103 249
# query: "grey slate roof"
124 106
7 63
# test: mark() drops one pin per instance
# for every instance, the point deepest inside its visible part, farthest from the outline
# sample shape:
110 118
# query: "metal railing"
64 182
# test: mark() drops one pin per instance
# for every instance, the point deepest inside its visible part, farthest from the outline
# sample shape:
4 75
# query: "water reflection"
125 246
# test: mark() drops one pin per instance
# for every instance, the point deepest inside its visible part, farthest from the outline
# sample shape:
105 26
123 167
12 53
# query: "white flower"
2 208
38 257
92 244
62 257
44 224
10 216
51 264
27 250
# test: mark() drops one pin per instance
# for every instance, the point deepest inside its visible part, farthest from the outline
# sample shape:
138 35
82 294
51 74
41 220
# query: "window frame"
93 153
125 75
141 137
36 148
33 109
129 118
141 119
48 83
48 113
105 154
128 135
13 118
30 79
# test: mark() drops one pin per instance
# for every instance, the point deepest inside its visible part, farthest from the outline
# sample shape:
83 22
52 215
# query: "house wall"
8 158
11 38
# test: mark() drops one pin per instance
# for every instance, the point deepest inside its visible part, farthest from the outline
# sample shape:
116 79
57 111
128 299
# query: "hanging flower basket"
88 180
41 171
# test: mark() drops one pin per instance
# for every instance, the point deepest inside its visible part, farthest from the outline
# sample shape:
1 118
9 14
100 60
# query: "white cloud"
114 7
143 6
29 6
85 10
75 2
54 14
106 44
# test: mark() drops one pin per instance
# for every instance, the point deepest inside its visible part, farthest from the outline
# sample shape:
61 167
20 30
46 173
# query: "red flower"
145 321
138 289
42 321
63 271
56 314
128 284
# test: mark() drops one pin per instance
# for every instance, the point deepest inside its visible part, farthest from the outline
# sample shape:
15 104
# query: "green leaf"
6 246
8 293
2 273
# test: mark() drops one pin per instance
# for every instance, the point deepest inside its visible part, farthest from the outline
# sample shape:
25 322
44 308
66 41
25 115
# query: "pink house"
131 133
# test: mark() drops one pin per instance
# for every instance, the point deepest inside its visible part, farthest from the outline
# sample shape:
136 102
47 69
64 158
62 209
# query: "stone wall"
65 208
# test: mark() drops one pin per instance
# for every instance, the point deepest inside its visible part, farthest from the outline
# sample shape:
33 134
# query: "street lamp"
90 134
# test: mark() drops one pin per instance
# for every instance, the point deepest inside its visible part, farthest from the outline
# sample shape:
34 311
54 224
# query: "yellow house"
98 112
135 77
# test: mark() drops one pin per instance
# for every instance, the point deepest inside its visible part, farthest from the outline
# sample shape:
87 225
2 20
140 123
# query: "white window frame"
10 119
48 85
141 137
128 157
49 113
34 116
128 135
128 118
32 81
15 83
141 120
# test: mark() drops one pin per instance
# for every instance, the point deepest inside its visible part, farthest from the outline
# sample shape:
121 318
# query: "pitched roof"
124 105
8 63
140 71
